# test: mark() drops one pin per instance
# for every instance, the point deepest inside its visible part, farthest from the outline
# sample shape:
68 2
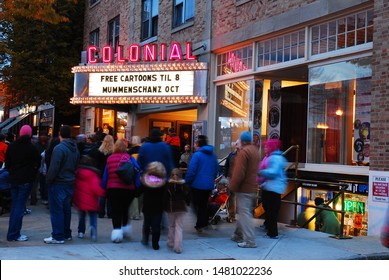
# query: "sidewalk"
215 243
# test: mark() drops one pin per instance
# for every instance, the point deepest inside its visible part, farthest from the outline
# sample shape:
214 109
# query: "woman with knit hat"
22 160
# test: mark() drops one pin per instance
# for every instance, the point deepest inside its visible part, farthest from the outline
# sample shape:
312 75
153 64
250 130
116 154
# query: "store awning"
16 121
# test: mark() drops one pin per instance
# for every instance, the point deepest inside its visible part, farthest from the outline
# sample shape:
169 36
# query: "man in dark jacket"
60 180
22 160
202 171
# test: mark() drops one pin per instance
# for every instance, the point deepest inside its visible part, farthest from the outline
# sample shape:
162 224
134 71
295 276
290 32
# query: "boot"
117 235
155 240
127 229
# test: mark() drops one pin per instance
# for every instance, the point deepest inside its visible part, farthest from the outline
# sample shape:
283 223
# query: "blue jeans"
82 220
19 196
60 205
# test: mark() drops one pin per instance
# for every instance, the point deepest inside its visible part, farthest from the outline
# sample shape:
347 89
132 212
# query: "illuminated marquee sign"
354 206
172 83
137 53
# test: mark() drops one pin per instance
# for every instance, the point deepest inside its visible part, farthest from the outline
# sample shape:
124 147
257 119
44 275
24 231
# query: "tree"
40 42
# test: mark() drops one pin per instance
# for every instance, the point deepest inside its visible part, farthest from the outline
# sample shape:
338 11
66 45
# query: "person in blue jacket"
275 185
202 171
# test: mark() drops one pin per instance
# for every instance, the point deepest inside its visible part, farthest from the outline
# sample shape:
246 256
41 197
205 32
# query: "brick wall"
227 16
379 134
130 21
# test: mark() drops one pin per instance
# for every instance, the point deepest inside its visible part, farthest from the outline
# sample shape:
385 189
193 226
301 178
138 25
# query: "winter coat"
153 193
176 196
110 178
156 151
244 174
64 159
326 221
87 189
274 174
203 169
174 140
22 160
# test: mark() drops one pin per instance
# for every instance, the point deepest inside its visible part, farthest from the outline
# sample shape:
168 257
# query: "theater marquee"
172 79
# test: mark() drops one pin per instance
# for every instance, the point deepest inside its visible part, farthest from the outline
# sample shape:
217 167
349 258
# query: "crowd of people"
82 172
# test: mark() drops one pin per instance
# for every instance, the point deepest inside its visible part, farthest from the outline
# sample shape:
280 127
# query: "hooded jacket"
63 163
274 174
88 189
203 169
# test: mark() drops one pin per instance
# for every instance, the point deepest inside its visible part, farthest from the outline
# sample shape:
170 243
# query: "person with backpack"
119 193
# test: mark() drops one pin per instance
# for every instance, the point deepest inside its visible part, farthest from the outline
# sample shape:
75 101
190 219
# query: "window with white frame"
94 38
341 33
149 19
183 11
113 32
281 49
235 61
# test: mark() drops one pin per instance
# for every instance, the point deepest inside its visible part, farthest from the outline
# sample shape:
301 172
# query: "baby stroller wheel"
215 220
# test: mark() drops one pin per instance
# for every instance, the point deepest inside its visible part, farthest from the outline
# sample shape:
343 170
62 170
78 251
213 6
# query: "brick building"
312 73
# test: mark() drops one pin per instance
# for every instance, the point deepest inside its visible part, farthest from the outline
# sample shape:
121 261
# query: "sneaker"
27 211
236 238
22 238
177 251
51 240
68 238
80 235
270 237
245 244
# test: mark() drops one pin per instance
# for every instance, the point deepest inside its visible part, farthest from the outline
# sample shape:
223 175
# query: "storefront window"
339 113
121 123
235 61
233 115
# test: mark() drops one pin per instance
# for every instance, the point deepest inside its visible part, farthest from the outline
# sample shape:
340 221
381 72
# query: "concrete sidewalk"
214 243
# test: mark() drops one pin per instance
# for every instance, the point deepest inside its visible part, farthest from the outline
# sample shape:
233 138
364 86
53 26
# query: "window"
149 19
281 49
233 115
235 61
345 32
113 32
184 11
339 113
94 38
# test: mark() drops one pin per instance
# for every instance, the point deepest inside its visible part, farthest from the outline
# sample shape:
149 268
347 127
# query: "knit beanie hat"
25 130
245 136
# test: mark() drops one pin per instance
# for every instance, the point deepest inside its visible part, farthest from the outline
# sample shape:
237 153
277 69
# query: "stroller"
218 201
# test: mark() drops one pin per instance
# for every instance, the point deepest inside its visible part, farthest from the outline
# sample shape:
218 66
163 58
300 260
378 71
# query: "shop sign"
354 206
137 53
167 83
380 187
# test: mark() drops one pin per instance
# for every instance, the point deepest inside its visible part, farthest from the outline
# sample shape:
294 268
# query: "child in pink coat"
86 196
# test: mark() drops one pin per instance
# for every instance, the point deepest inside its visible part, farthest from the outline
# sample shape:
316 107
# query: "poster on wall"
257 124
380 189
361 153
199 128
274 118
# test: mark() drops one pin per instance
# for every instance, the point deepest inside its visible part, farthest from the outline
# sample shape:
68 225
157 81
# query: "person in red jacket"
86 196
3 149
175 144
